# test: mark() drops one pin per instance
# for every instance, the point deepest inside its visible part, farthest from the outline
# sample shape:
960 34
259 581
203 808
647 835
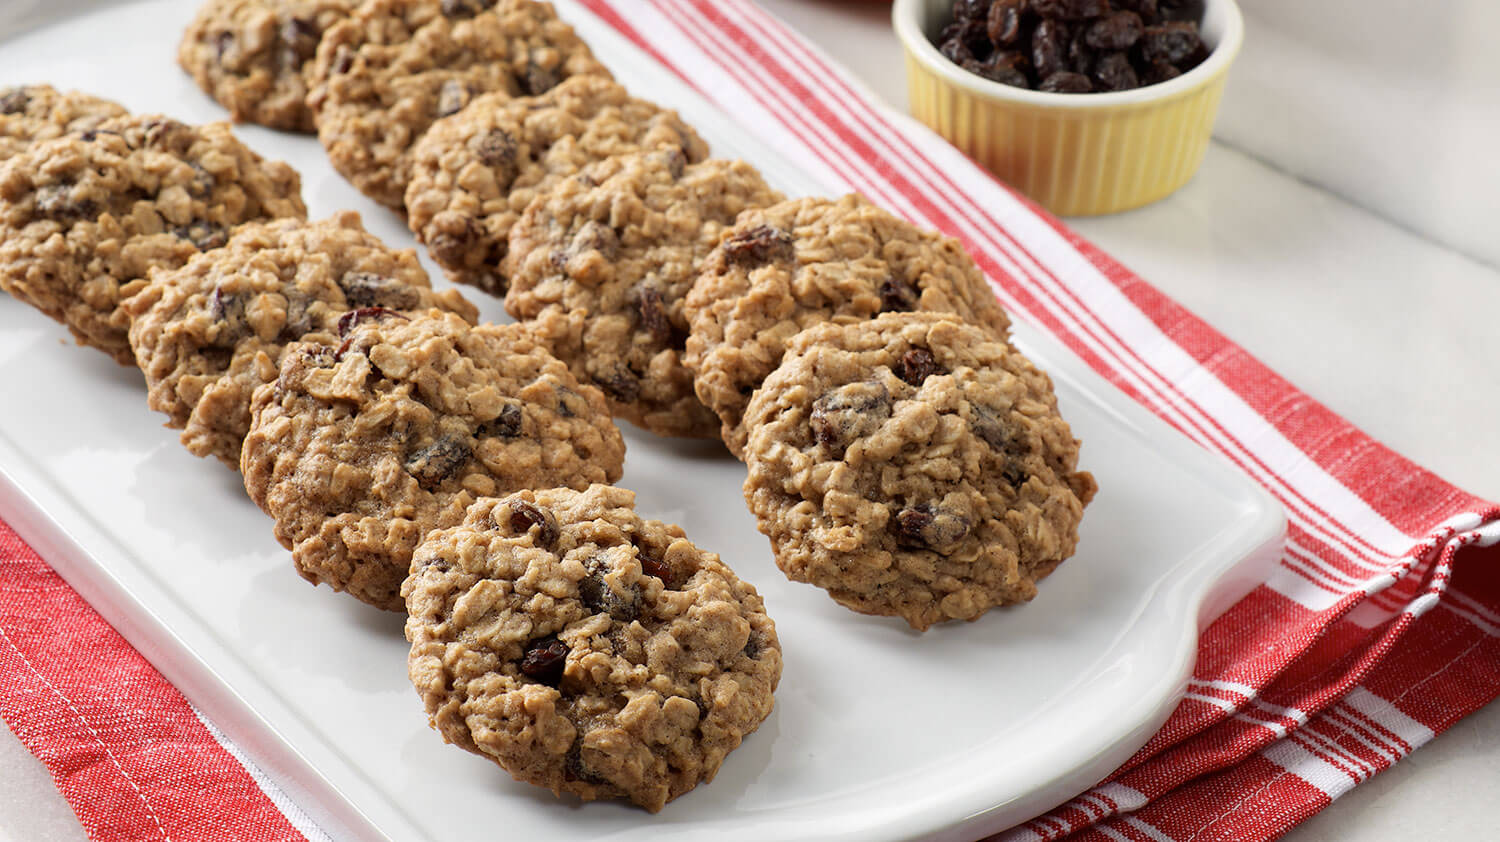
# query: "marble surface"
1342 231
1393 106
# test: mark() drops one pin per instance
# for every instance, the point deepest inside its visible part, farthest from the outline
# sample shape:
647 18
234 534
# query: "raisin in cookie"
85 217
384 75
252 56
913 466
602 261
209 334
586 649
474 173
33 113
358 450
807 261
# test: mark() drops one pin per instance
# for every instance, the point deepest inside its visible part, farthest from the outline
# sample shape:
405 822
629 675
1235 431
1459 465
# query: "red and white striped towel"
1379 629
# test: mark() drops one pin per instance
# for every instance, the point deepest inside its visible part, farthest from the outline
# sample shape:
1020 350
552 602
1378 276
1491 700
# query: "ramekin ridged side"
1076 154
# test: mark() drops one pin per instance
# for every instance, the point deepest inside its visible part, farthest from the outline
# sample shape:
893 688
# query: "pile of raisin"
1075 46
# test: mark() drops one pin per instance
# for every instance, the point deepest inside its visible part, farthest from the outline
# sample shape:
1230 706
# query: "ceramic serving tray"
878 733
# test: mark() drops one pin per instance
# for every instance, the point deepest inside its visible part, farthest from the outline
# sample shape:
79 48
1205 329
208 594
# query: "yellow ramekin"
1075 154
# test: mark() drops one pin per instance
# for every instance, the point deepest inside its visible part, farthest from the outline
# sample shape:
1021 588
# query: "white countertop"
1342 230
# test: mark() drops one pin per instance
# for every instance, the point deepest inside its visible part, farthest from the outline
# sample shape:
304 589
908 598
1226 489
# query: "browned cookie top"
475 172
253 55
384 75
33 113
359 449
602 261
808 261
585 648
913 466
209 334
85 217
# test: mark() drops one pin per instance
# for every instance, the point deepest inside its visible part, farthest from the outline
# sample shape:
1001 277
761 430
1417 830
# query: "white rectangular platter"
878 733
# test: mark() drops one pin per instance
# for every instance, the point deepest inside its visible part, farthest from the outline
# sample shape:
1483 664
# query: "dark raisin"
754 646
495 148
544 661
1117 31
989 426
452 98
1146 9
1004 67
1070 9
1195 58
595 236
574 769
343 61
298 323
657 568
1080 55
849 412
202 182
158 132
570 404
654 314
1112 72
956 51
1186 11
301 39
1066 82
909 525
976 36
621 384
916 365
228 309
1159 72
523 516
506 425
14 100
598 597
367 289
946 531
453 247
461 9
898 296
539 79
931 528
223 41
1003 23
437 462
970 9
351 319
1169 43
974 66
1049 48
758 246
653 566
203 234
675 160
55 201
1015 78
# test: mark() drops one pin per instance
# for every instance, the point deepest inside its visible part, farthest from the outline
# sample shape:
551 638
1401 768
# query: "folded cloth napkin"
1379 628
